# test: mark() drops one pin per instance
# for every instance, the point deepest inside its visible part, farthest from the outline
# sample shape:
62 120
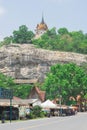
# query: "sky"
57 13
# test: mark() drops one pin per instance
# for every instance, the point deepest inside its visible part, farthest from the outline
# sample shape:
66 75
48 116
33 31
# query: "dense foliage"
84 66
6 82
22 35
61 39
36 112
21 90
65 80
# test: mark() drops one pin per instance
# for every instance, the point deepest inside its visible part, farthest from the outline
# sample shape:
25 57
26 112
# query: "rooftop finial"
42 19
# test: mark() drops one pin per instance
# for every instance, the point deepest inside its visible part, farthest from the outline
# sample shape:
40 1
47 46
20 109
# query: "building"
41 28
36 93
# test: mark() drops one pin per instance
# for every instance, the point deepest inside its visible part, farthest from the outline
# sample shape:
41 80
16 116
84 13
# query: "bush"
36 112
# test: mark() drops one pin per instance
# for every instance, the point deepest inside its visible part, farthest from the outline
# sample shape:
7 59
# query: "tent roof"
48 104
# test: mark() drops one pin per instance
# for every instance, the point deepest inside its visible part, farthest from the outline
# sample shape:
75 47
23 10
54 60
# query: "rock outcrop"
28 64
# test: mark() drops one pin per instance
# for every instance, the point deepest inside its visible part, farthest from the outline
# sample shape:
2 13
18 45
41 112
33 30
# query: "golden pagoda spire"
42 22
41 28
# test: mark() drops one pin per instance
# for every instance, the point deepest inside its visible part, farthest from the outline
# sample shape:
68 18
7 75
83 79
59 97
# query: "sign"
6 93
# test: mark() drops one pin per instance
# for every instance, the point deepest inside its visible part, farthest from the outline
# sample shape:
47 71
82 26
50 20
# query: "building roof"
41 94
16 98
42 25
25 81
17 101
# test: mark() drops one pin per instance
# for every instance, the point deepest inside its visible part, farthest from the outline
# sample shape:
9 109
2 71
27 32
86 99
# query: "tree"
22 90
6 82
63 31
47 40
52 32
66 80
61 40
22 35
7 40
74 41
84 66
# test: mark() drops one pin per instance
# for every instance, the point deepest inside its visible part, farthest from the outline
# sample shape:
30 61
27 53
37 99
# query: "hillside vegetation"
63 40
53 39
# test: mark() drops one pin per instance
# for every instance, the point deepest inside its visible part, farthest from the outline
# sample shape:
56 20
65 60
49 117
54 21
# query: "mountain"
28 64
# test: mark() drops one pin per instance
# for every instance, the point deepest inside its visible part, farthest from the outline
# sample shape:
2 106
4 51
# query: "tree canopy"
53 39
63 40
21 90
66 80
5 81
22 35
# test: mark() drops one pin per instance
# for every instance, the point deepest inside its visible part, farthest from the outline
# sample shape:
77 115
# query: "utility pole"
60 101
11 96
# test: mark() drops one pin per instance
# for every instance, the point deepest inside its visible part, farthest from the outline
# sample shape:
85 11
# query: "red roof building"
36 93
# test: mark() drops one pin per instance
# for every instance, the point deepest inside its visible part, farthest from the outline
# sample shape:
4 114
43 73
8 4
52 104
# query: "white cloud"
2 11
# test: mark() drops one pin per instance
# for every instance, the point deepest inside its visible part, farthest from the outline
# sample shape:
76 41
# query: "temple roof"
42 25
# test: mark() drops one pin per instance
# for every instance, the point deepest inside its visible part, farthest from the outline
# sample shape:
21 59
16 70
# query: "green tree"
6 82
63 31
22 35
22 90
7 40
36 112
84 66
63 40
47 40
66 80
52 32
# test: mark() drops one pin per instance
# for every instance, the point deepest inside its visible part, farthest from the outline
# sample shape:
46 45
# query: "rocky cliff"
28 64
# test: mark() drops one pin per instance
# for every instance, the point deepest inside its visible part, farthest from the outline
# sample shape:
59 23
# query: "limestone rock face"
28 64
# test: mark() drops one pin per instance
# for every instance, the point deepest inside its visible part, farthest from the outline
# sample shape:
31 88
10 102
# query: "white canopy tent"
48 104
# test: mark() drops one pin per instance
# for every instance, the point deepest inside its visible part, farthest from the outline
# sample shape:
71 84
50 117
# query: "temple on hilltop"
41 28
